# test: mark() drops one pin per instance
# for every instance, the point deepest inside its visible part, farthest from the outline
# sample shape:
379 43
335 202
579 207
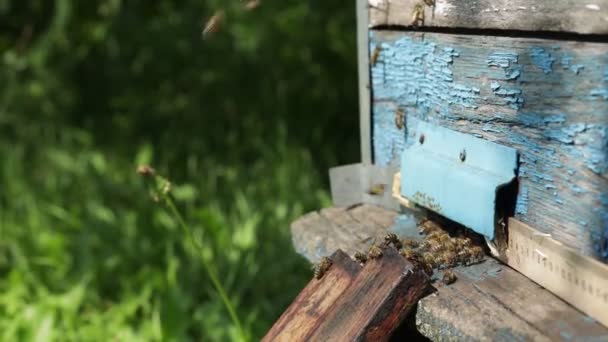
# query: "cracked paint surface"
547 99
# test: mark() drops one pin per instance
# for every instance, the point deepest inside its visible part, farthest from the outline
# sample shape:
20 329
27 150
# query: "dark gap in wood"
564 36
408 331
506 200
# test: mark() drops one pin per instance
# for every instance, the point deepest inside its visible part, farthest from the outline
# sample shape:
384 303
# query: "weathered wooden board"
364 86
362 183
587 17
353 229
546 98
492 302
489 301
307 312
376 302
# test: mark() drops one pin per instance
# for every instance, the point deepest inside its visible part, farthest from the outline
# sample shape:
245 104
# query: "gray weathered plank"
586 17
364 86
353 229
488 301
493 302
546 98
360 183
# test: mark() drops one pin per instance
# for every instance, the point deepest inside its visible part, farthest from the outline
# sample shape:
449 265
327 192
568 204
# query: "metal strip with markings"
578 280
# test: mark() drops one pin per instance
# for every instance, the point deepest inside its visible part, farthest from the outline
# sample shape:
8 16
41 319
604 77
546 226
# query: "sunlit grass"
85 255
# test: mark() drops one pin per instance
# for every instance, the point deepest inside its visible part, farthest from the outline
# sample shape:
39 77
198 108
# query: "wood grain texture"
352 184
546 98
586 17
488 301
376 302
492 302
353 229
307 312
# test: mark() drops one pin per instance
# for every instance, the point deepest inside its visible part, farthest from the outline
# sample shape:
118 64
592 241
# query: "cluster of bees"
437 251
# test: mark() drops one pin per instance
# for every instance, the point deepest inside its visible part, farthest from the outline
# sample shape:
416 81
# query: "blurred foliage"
245 123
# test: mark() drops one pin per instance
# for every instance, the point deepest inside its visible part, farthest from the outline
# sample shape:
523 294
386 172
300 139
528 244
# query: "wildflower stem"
208 268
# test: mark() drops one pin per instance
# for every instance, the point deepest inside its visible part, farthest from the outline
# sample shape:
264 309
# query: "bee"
448 259
418 15
374 252
377 189
322 267
361 257
463 242
427 226
375 54
410 243
252 4
214 23
435 246
146 170
477 253
448 277
399 118
391 238
424 245
409 254
445 238
435 235
450 246
429 259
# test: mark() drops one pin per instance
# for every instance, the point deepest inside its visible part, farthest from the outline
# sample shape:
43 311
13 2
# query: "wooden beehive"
510 79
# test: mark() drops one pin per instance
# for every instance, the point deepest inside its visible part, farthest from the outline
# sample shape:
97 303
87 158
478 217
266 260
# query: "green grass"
245 124
87 255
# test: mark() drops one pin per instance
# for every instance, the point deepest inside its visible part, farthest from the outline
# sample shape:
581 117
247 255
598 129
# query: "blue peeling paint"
521 206
512 74
511 96
502 59
577 189
507 61
388 139
542 59
604 199
429 80
577 68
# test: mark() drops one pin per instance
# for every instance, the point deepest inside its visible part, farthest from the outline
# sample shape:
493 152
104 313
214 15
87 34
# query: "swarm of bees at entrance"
438 250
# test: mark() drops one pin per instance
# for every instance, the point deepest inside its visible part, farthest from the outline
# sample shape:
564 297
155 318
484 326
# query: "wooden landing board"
546 98
489 301
351 229
353 303
586 17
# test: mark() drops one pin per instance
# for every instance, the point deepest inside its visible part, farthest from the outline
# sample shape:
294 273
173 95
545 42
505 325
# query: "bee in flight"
213 24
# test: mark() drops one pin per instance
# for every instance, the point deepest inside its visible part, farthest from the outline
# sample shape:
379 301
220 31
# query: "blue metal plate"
455 174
